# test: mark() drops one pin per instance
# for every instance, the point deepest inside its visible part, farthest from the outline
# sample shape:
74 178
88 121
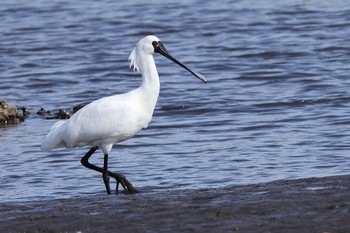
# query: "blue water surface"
277 104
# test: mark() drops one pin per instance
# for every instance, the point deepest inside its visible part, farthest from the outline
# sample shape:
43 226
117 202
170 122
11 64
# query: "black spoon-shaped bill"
159 48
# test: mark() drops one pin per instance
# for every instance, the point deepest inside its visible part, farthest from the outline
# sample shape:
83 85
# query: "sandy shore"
303 205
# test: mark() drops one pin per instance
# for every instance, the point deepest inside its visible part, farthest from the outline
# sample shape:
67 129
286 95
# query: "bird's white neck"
150 78
150 86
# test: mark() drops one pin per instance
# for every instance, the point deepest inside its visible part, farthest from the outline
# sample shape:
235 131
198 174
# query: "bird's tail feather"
54 138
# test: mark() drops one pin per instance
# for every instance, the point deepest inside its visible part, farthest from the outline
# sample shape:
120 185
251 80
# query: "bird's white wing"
111 119
103 122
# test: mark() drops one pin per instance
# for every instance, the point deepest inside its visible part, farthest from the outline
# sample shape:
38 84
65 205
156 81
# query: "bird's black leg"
128 187
105 175
104 170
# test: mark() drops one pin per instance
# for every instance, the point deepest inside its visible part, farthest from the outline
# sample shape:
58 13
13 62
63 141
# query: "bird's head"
150 45
144 46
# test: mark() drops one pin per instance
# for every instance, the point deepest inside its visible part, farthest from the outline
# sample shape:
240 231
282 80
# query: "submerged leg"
128 187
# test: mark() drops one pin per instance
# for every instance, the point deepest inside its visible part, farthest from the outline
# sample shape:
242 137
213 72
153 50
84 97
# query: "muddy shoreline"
302 205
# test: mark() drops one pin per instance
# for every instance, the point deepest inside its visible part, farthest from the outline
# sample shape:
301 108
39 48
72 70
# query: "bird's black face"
159 48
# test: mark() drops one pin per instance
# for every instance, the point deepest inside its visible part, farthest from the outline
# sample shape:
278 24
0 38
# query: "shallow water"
276 104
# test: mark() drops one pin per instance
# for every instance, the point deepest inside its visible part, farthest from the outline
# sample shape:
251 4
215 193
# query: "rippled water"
277 104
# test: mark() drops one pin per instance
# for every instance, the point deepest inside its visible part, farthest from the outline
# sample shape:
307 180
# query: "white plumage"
113 119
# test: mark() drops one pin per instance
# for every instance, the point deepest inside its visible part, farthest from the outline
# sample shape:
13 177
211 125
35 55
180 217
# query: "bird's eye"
155 44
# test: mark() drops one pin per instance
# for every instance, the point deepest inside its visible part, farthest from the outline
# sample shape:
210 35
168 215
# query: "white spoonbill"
113 119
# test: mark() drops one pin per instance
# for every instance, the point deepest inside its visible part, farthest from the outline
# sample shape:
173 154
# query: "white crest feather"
132 59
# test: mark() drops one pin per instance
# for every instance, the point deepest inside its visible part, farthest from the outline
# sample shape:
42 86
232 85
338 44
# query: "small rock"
25 111
43 112
63 114
77 107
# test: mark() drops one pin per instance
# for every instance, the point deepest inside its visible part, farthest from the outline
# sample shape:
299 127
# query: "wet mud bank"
302 205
